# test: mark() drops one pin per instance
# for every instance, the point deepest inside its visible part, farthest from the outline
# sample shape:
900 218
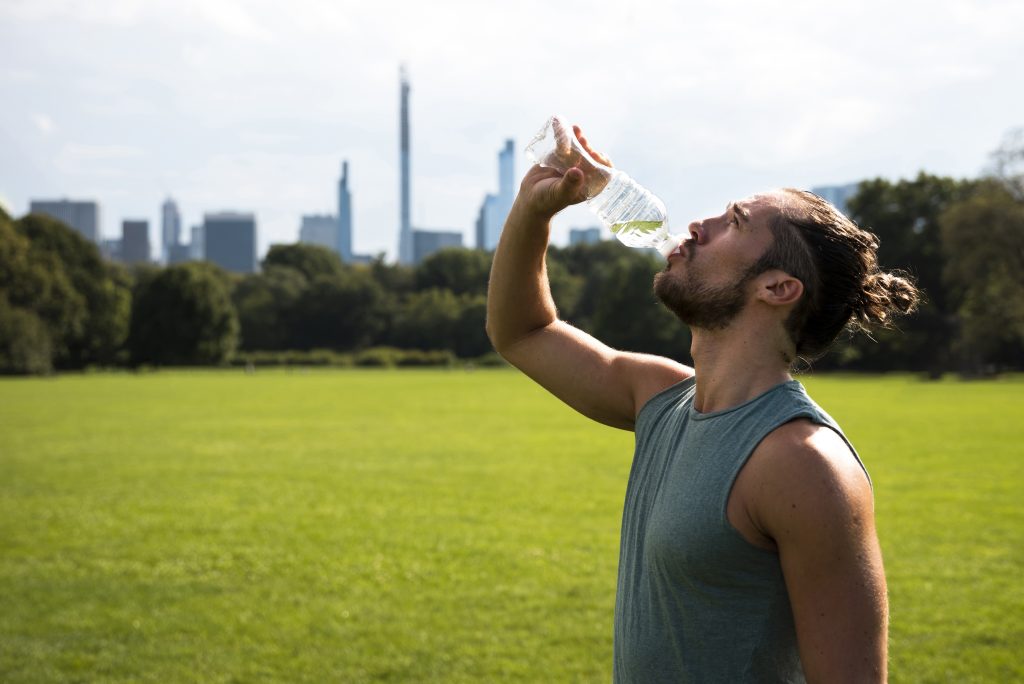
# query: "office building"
135 242
195 247
229 240
426 242
170 228
584 236
837 195
343 240
495 208
83 216
179 254
486 222
319 229
405 236
506 179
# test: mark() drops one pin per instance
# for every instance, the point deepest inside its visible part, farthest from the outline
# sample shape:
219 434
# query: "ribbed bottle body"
636 216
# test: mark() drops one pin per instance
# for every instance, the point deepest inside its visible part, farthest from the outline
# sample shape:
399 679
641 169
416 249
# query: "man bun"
882 297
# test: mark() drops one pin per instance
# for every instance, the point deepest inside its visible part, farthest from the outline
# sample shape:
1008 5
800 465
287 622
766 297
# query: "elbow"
497 341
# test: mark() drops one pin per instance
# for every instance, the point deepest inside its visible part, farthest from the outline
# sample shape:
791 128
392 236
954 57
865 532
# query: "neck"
735 364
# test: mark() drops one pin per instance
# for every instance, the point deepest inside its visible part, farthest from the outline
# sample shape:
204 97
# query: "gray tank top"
695 601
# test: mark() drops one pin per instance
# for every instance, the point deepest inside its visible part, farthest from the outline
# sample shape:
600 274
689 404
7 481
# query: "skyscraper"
506 178
405 246
837 195
170 228
82 216
197 244
229 240
344 227
585 236
426 242
319 229
135 242
495 208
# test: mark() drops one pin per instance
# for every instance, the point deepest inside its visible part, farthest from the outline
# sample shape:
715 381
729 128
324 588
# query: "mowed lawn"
442 526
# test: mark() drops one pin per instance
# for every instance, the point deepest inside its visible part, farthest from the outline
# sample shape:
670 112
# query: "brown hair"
837 263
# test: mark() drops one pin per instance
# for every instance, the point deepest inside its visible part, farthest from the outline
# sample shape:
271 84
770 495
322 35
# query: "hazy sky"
252 106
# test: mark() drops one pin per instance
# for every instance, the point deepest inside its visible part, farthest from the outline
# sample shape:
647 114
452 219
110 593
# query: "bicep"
602 383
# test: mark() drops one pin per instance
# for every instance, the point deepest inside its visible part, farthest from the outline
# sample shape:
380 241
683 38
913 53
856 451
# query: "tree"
1008 163
182 315
983 239
25 344
462 271
345 311
905 217
396 279
427 320
265 303
470 335
312 261
52 271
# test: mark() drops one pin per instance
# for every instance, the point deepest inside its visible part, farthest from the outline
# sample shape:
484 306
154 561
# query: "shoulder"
651 375
806 476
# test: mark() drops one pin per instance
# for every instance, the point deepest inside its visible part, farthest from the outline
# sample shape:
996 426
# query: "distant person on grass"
748 549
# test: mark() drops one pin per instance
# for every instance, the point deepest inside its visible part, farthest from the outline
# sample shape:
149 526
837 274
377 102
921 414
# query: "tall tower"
405 255
507 173
170 228
344 240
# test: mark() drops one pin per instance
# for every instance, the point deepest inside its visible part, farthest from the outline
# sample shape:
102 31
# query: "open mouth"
682 249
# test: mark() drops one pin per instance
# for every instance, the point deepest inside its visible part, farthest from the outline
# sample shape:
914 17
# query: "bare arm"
602 383
816 505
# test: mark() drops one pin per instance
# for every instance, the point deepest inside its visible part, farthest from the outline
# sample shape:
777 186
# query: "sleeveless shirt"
697 602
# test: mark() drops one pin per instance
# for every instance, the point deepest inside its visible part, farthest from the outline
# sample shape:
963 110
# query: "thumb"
570 186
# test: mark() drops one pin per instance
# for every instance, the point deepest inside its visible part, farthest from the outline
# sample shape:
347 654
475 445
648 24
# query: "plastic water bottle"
636 216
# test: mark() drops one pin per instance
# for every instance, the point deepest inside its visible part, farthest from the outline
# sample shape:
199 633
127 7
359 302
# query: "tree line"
63 307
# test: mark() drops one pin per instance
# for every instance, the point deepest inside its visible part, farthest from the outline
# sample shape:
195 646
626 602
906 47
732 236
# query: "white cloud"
43 123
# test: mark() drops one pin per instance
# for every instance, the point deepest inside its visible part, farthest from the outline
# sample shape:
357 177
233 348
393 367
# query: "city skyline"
250 107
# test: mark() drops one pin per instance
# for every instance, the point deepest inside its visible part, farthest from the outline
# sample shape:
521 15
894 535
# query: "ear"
778 288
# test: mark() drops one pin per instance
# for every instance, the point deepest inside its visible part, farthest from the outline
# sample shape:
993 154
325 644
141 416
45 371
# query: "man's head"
791 257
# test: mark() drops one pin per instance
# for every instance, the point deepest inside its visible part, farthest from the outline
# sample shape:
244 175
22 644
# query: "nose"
697 232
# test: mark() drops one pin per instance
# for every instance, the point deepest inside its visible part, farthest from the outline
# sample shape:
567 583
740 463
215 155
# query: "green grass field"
431 526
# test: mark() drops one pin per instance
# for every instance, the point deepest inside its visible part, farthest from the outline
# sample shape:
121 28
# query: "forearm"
518 296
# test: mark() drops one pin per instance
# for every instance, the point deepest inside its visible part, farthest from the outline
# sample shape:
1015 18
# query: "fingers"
569 189
598 157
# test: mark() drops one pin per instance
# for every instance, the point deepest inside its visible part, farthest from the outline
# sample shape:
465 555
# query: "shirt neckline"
697 415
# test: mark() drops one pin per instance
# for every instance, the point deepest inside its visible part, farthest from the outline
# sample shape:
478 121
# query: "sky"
252 106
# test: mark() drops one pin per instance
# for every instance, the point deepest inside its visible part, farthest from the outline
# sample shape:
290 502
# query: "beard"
699 305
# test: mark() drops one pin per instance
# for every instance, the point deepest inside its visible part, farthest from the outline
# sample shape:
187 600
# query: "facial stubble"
696 303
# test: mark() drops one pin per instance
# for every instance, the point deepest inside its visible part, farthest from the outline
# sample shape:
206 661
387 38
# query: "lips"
681 249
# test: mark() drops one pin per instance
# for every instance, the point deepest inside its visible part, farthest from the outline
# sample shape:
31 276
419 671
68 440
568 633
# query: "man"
748 550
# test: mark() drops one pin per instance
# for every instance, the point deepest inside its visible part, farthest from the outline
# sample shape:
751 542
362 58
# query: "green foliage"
427 320
25 344
183 315
431 526
905 217
265 303
462 271
312 261
344 311
56 275
983 239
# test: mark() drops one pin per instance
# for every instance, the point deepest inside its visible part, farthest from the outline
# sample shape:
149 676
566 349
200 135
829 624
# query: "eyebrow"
741 212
